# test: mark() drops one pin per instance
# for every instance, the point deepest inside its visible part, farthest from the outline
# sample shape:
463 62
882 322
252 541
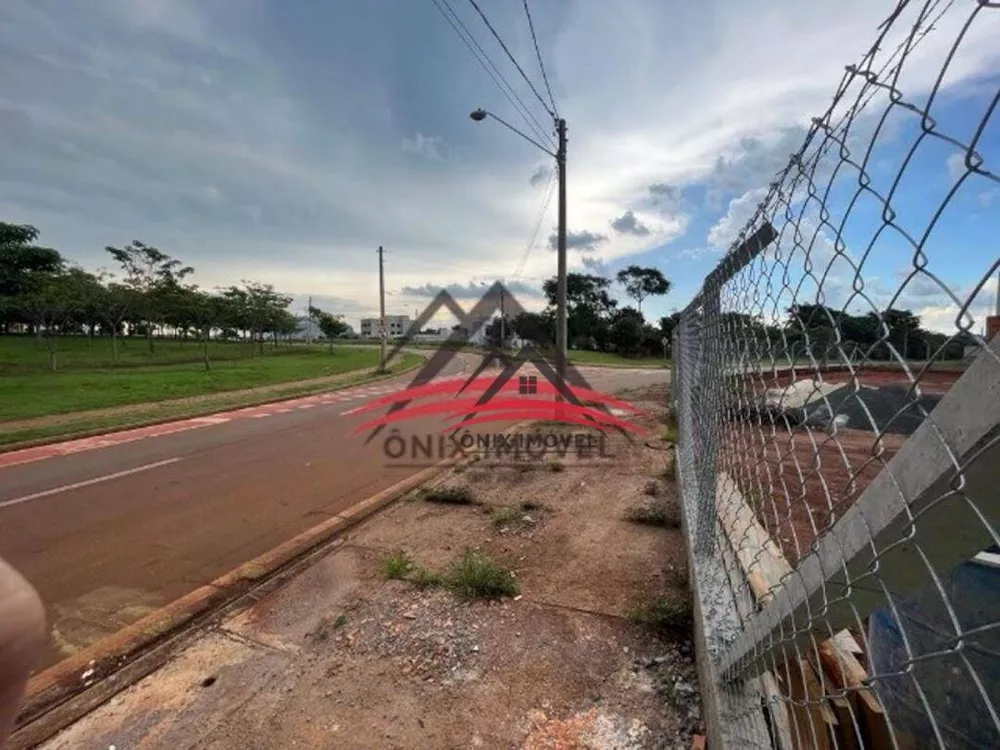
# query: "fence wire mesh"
838 404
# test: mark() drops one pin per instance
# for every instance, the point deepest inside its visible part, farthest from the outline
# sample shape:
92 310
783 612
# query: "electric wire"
511 57
470 41
541 65
549 190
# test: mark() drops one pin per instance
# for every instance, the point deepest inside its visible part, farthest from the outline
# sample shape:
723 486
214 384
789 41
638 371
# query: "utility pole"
561 326
501 320
382 333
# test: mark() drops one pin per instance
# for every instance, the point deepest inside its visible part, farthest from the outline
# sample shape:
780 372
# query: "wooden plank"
846 672
848 643
824 719
777 709
813 723
761 559
850 722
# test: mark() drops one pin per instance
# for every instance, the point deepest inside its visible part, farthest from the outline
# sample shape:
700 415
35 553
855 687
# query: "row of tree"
595 321
44 293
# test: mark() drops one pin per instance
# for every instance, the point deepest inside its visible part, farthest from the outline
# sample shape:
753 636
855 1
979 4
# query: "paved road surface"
109 529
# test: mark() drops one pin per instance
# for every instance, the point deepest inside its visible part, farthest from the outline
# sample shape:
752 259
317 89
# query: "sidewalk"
593 652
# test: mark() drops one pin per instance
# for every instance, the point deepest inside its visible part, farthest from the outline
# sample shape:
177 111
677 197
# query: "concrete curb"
153 421
93 666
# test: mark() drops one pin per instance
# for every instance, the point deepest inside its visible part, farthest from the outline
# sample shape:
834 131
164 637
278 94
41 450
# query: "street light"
478 115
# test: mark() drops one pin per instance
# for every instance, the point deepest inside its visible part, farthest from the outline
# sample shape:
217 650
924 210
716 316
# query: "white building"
395 325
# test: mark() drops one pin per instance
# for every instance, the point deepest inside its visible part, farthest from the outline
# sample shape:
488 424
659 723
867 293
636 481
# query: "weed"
477 576
557 466
654 514
396 565
666 615
670 470
326 627
652 488
670 430
452 495
506 517
423 578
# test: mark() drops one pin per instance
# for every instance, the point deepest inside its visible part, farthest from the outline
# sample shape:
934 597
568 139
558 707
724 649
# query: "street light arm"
523 135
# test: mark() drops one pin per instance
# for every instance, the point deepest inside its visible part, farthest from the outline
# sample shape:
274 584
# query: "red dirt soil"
800 481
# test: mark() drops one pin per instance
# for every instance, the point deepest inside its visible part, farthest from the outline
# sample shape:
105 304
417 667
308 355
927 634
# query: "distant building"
395 325
307 329
474 331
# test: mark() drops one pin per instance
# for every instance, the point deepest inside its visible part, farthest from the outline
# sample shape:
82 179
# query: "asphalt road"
108 534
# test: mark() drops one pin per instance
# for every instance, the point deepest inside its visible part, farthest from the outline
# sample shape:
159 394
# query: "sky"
283 141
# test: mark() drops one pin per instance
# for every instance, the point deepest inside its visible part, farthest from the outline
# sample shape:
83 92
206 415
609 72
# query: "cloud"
988 197
209 129
665 198
753 160
628 224
543 173
470 290
956 165
596 266
578 240
741 210
432 148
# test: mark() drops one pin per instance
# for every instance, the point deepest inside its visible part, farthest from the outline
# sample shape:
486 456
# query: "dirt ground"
340 657
801 480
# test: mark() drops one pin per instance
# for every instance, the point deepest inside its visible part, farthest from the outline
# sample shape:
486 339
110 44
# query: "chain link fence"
837 393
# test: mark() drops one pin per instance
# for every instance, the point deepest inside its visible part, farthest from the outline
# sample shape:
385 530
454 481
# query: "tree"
51 300
904 331
538 328
257 308
642 282
627 331
153 276
332 326
22 264
498 331
207 311
115 302
588 307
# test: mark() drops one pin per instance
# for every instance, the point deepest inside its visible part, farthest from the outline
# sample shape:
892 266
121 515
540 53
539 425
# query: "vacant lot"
87 379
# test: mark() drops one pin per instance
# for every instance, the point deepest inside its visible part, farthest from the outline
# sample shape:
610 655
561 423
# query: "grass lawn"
87 423
87 379
604 358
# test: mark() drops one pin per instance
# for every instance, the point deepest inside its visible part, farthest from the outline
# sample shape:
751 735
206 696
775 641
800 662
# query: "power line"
469 39
541 65
549 190
511 57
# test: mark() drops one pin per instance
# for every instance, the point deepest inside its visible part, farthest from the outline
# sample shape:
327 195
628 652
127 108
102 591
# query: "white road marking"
87 483
211 420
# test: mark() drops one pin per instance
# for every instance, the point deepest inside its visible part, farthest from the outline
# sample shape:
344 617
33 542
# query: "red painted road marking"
28 455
